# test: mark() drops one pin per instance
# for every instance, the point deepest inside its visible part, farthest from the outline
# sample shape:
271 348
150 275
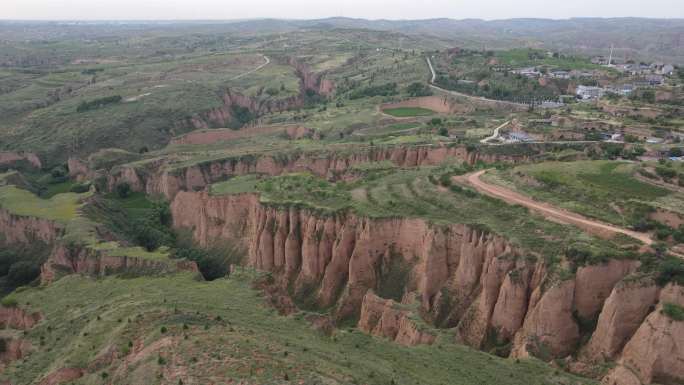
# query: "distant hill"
633 38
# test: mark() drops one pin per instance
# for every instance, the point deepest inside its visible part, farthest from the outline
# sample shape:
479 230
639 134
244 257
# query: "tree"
417 89
23 272
123 190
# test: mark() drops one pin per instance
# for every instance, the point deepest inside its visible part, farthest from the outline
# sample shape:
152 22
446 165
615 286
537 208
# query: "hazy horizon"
217 10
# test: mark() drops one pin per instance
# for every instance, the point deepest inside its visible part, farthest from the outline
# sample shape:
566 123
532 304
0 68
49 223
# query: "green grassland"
222 330
605 190
66 210
60 208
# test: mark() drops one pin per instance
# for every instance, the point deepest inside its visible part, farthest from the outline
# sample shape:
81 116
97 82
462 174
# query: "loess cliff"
158 179
394 275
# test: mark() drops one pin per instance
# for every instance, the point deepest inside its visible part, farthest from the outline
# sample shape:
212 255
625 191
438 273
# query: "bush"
97 103
381 90
665 172
80 188
9 302
418 89
23 272
123 190
671 270
674 311
213 263
663 233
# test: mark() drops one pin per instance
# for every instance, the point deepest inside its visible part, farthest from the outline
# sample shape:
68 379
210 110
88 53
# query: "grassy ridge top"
416 193
606 190
60 208
214 336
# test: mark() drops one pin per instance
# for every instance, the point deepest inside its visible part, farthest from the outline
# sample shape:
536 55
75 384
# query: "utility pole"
610 58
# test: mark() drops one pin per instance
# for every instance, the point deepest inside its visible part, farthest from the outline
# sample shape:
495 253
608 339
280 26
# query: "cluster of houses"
535 73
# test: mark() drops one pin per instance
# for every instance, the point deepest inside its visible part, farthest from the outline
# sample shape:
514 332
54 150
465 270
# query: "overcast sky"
307 9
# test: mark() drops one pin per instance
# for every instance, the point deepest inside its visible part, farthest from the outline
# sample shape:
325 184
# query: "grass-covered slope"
606 190
177 330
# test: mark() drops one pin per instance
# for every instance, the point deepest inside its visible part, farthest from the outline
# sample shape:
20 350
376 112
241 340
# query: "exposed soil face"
212 136
439 104
21 229
9 159
462 278
17 318
14 347
158 180
75 260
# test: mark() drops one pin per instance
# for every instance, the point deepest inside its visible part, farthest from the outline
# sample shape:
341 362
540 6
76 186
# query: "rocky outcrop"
461 278
386 318
83 260
15 159
655 353
594 284
311 80
78 169
14 349
222 116
624 311
23 229
17 318
549 330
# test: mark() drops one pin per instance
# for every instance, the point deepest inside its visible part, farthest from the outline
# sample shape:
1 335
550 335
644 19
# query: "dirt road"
455 93
551 212
267 61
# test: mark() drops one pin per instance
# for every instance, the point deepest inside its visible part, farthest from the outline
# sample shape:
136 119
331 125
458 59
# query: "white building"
589 93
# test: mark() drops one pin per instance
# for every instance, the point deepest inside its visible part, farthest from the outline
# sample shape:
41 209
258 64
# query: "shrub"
123 190
9 302
213 263
381 90
418 89
23 272
674 311
97 103
80 188
663 233
671 270
665 172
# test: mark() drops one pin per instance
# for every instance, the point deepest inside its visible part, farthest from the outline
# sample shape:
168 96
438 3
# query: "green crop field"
61 208
405 112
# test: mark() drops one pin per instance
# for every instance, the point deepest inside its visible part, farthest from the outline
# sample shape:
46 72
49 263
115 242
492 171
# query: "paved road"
495 134
549 211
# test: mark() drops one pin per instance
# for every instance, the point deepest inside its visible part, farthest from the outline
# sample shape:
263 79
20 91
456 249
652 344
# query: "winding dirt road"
267 61
551 212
